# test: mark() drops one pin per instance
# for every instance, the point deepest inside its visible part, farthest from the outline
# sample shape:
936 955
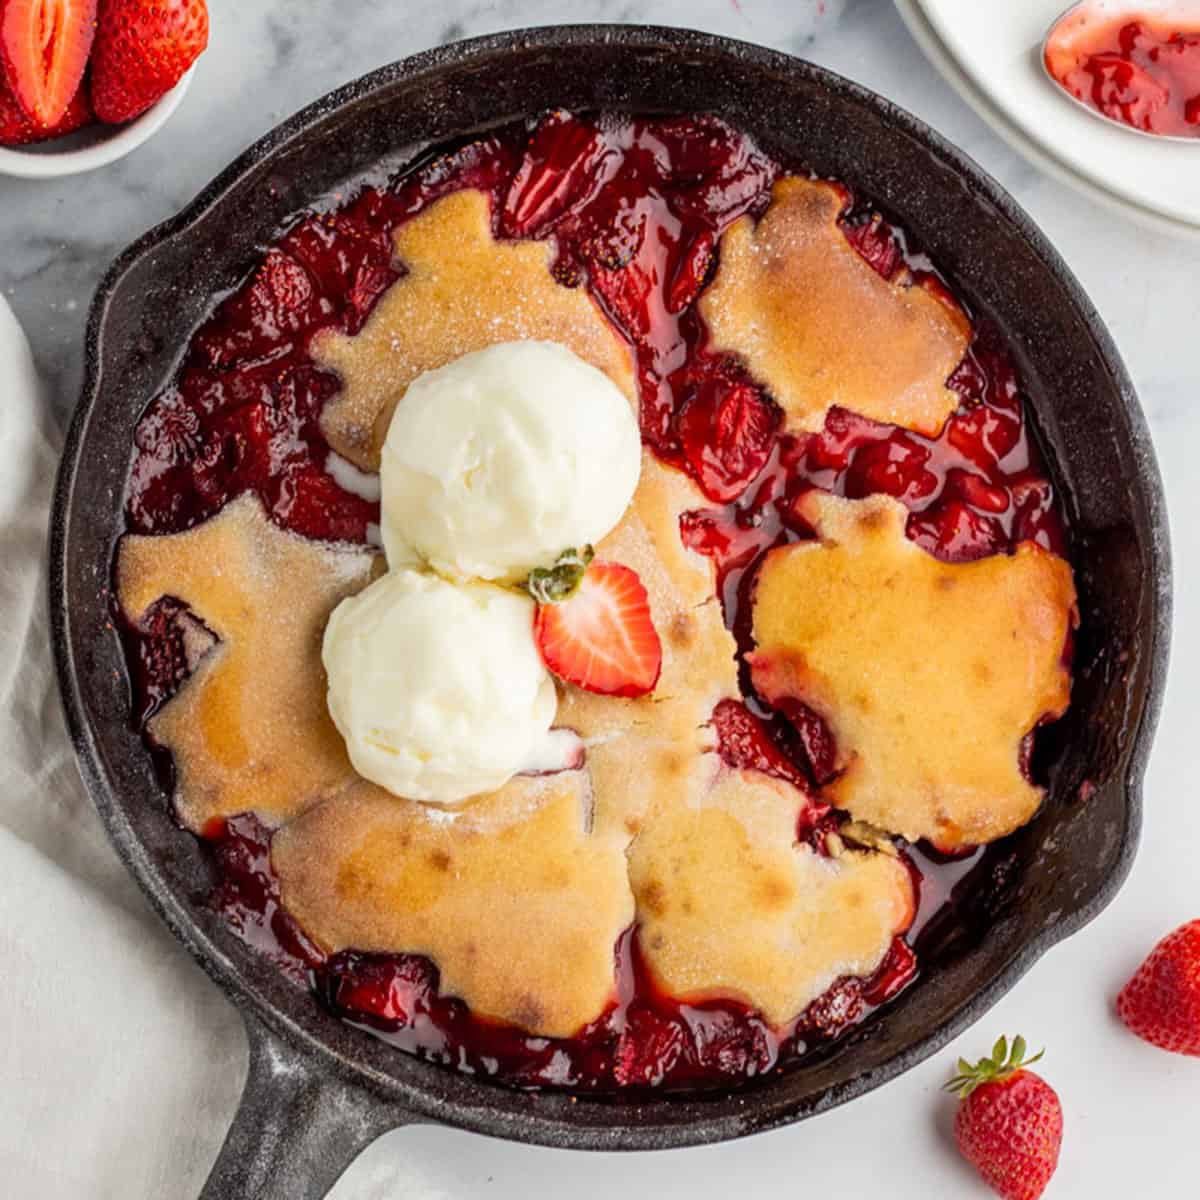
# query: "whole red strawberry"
142 49
1161 1003
1009 1122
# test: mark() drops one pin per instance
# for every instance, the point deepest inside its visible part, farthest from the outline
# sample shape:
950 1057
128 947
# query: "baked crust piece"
514 898
819 327
929 674
731 906
249 729
463 291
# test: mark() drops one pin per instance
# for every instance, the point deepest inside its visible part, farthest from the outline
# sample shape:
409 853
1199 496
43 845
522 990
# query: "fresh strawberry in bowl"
110 72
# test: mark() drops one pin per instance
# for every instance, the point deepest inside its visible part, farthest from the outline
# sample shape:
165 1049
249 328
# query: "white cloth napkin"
120 1063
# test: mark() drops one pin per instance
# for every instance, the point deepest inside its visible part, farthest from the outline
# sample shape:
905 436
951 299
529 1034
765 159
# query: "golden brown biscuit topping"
249 729
819 327
515 897
929 674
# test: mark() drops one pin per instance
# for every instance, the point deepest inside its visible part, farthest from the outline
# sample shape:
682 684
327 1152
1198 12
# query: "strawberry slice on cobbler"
601 636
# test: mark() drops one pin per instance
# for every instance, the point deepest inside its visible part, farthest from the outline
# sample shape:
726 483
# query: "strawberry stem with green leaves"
553 585
1004 1063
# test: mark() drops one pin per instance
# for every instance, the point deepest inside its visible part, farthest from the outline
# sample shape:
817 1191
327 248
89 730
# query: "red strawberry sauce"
637 208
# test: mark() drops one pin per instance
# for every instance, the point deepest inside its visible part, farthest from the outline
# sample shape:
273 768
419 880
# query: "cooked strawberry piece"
976 491
218 434
895 973
17 129
876 241
625 271
1037 519
143 48
895 466
602 639
714 173
565 164
844 432
649 1047
816 738
309 501
271 316
169 429
691 149
160 660
726 428
350 266
486 164
730 1043
984 434
692 272
955 532
746 744
388 990
44 48
840 1006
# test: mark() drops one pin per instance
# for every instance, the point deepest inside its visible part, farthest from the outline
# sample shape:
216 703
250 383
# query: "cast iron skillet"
318 1090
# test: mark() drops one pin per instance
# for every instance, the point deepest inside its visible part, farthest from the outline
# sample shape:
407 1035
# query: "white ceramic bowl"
92 147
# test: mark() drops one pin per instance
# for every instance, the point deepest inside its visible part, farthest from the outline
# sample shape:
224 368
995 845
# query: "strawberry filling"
636 208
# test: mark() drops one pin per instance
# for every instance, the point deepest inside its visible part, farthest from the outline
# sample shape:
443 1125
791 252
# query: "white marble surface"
1125 1103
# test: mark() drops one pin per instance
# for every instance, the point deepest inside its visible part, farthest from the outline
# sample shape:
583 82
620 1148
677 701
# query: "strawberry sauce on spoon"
1136 65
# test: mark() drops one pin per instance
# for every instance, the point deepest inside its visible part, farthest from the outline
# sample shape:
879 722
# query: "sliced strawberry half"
18 129
44 48
602 638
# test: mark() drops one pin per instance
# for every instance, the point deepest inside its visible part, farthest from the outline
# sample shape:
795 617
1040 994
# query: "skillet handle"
296 1129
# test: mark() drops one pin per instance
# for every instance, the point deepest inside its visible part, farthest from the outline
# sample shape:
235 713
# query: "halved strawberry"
44 48
602 638
16 128
143 48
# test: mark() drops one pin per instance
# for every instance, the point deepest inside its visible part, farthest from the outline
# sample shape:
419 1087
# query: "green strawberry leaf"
553 585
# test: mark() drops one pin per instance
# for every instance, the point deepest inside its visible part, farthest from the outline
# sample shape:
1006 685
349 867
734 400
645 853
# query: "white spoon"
1070 32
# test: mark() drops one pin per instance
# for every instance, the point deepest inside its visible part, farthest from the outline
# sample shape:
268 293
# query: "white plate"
990 54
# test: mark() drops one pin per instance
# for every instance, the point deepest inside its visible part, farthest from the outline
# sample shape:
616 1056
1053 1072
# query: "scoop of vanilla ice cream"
438 689
499 461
